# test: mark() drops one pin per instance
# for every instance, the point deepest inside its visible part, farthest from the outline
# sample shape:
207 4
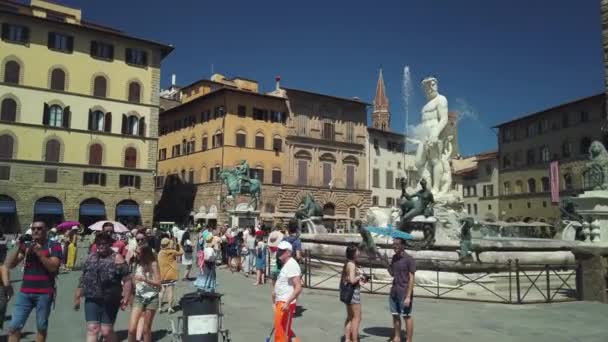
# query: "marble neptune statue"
434 147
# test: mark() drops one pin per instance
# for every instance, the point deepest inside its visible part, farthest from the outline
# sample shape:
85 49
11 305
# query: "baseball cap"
284 245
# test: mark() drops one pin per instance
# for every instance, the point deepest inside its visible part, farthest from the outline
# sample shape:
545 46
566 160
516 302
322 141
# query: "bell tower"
381 116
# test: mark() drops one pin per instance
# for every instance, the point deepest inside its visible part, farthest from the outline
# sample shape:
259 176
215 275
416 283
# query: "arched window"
519 187
241 139
6 146
95 154
566 149
134 92
99 86
259 141
96 120
58 79
55 116
568 182
12 70
9 110
531 185
52 151
585 144
130 124
545 184
130 157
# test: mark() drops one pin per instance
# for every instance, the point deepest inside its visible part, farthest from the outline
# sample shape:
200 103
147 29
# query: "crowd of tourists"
139 270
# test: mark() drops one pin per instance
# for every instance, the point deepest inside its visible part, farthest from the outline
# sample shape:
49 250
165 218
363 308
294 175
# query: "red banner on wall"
554 170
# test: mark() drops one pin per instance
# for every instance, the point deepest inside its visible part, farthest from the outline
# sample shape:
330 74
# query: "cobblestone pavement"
248 316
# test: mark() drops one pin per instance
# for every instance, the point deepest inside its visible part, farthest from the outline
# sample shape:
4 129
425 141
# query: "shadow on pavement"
379 331
157 335
299 311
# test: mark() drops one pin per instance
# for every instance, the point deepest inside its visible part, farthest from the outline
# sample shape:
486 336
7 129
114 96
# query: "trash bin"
201 320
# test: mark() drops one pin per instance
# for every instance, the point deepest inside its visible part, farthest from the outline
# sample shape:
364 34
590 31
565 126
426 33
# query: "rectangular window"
242 111
218 112
204 143
162 154
15 33
50 175
475 208
389 179
302 172
60 42
241 140
160 182
102 50
350 177
350 132
488 191
5 172
397 183
469 209
136 57
326 174
352 213
259 143
390 201
129 181
277 144
258 114
376 178
374 200
94 178
276 176
489 207
328 131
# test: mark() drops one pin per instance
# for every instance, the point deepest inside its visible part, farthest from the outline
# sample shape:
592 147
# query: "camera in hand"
26 240
365 277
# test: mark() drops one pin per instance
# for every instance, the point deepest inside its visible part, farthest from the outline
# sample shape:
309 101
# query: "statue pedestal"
593 206
313 225
244 216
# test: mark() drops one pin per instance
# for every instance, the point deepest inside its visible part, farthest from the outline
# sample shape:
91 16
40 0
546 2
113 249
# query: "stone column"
591 276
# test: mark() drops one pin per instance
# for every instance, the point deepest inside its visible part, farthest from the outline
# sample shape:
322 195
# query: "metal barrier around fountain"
525 283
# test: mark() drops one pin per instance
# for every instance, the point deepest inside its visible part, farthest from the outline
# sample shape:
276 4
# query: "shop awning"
92 210
212 216
127 210
8 207
48 208
200 216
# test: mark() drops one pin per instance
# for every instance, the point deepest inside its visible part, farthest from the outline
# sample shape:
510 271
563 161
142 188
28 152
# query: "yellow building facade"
79 118
213 129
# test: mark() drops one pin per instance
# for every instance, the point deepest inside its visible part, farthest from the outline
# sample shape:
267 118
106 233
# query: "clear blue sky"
501 59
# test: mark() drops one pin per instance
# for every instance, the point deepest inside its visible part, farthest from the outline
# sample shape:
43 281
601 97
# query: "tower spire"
381 115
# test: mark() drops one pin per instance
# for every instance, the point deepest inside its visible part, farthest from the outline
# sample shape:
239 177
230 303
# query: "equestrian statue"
238 182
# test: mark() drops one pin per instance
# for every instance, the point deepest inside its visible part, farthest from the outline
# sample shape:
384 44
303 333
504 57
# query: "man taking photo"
42 261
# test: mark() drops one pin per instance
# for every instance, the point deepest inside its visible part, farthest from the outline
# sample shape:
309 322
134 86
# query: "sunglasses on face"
140 240
37 228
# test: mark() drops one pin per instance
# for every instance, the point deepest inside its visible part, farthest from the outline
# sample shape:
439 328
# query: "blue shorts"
397 308
99 311
25 303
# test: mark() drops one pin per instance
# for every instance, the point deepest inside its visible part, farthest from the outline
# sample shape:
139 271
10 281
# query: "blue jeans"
25 303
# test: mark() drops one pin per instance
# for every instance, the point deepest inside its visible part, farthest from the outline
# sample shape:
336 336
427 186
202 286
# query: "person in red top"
118 246
42 261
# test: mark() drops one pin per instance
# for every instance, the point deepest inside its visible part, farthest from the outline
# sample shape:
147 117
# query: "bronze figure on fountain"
420 203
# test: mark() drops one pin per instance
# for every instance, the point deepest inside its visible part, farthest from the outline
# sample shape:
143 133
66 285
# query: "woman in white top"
147 288
188 252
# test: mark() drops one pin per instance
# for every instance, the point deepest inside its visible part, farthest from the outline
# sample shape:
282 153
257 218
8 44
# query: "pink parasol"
68 225
118 227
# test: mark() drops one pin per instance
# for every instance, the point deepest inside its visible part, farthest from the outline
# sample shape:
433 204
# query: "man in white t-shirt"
286 291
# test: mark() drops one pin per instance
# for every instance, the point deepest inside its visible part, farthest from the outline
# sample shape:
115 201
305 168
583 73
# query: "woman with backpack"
350 294
147 288
188 251
260 261
169 272
106 287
